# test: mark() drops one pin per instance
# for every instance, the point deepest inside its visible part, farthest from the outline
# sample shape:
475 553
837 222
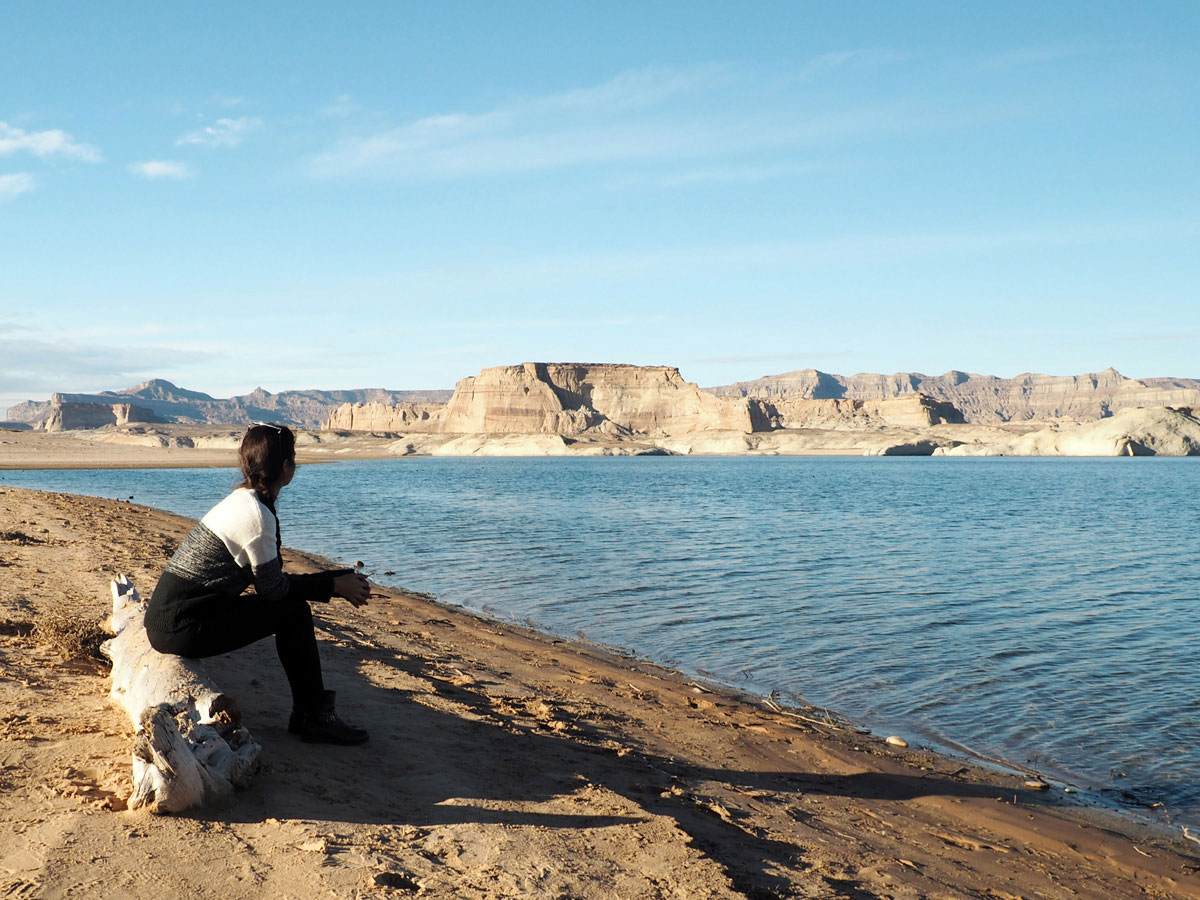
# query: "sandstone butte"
609 399
66 416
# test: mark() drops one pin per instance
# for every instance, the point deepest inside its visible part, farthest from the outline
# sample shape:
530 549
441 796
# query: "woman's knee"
160 640
295 616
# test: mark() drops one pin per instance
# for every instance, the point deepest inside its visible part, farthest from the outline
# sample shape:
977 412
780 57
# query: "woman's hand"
353 587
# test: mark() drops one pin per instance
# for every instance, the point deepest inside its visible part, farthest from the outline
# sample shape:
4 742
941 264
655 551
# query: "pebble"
396 880
1035 784
897 741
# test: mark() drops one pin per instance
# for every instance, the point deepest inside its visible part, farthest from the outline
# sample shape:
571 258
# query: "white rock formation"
912 411
68 416
569 398
561 399
984 398
505 445
618 400
1159 431
401 418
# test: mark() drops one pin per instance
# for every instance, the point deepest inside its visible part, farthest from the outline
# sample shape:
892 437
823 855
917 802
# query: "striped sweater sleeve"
249 532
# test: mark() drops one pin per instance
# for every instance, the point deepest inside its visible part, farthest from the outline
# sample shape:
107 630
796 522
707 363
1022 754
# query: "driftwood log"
190 747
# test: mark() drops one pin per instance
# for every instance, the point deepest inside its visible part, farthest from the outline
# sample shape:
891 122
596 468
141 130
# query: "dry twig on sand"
773 704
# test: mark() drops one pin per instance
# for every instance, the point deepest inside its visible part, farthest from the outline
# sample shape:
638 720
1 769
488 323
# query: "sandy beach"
502 763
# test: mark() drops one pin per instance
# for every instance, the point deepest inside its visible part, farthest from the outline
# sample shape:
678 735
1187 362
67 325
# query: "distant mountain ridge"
171 403
984 399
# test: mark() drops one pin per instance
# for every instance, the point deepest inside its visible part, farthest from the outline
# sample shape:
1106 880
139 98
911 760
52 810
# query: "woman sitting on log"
199 609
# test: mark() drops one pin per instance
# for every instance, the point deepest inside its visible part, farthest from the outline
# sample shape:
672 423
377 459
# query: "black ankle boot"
321 725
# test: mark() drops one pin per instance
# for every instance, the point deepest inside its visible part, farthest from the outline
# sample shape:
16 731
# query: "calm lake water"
1042 611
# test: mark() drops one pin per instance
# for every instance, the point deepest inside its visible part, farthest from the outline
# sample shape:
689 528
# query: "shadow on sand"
427 767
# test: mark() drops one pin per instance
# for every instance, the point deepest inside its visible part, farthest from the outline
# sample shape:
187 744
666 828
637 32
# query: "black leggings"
229 623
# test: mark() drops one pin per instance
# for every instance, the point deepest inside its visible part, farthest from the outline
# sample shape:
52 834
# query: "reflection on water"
1038 610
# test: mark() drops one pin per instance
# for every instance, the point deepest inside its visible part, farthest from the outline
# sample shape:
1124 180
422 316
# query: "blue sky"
396 195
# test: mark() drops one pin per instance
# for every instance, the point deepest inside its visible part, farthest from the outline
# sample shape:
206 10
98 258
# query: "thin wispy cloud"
1181 336
631 91
42 365
1040 55
451 146
862 59
550 272
546 324
637 116
226 133
154 169
789 358
343 106
652 117
93 332
15 184
749 174
51 143
585 322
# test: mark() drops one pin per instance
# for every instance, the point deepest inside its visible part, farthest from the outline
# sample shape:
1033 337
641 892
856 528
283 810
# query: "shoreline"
1157 432
1065 787
504 763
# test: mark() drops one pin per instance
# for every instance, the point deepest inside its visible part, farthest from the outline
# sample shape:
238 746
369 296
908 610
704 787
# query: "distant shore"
503 763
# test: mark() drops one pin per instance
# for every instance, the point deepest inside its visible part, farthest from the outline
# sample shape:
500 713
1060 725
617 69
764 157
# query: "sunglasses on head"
278 428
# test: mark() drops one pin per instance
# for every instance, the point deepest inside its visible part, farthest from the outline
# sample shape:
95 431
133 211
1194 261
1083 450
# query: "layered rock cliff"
579 398
571 398
1154 431
564 399
984 398
70 416
410 418
913 411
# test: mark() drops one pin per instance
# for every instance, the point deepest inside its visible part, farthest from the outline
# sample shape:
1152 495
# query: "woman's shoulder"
239 507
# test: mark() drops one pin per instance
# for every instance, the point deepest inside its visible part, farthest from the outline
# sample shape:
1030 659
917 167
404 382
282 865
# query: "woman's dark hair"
265 451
